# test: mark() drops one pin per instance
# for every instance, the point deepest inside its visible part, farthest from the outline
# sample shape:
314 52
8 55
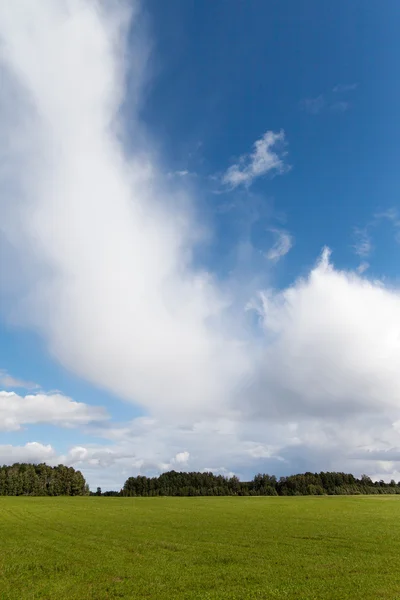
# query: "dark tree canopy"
208 484
41 480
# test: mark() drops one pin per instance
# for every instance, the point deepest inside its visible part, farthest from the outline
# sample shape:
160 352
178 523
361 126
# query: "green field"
237 548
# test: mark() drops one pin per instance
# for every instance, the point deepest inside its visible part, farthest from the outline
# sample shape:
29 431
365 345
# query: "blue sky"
171 177
226 74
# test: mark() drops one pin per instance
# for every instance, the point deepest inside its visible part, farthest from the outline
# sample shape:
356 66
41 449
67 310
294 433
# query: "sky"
199 237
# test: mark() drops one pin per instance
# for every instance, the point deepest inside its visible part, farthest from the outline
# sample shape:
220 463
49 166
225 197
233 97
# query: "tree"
41 480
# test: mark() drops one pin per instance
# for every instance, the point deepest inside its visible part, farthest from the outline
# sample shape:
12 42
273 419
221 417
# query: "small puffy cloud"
99 456
181 458
8 381
282 245
32 452
263 451
267 157
53 409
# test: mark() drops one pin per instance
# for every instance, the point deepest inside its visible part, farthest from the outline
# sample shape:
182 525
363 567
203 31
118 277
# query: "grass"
200 548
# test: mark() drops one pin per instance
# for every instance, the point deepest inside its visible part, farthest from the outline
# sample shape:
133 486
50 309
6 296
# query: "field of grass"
200 548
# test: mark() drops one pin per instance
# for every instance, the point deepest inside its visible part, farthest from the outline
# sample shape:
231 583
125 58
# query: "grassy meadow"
200 548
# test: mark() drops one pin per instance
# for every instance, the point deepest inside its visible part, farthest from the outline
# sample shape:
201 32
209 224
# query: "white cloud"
283 244
8 381
32 452
53 409
267 157
181 457
262 451
114 291
353 445
368 444
334 347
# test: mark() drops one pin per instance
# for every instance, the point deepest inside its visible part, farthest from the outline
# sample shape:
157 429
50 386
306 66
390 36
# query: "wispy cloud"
339 107
182 173
8 381
342 88
363 243
267 157
313 105
391 214
329 101
282 245
362 267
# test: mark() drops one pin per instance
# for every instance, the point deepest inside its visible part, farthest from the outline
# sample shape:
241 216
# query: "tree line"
175 483
22 479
